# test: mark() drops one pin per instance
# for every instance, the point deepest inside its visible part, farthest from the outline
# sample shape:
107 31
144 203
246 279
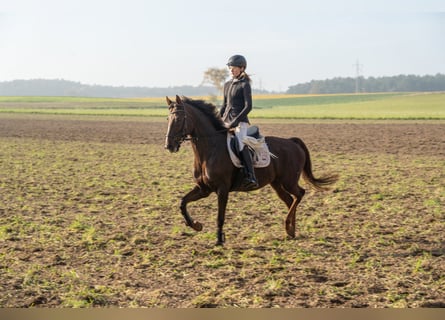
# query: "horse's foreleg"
223 196
195 194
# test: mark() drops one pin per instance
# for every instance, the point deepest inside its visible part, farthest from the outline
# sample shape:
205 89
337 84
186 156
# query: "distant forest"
60 87
400 83
65 88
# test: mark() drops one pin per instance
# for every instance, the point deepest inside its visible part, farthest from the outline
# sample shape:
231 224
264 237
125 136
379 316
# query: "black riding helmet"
237 61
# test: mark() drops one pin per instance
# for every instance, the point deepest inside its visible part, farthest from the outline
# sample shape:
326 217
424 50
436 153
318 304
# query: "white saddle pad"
261 157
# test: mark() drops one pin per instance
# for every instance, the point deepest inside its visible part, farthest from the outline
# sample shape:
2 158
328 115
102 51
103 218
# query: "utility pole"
358 70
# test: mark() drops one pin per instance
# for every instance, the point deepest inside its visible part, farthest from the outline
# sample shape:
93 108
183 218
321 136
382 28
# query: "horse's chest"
203 175
211 170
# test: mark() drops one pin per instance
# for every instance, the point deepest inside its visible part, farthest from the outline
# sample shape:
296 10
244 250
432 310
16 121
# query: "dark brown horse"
199 122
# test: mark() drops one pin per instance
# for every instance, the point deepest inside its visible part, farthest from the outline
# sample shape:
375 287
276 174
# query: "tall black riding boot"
249 180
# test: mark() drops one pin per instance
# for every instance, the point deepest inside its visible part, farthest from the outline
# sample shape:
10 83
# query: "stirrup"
250 183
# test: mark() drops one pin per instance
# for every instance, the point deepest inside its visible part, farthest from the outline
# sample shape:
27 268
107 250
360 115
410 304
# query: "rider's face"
235 71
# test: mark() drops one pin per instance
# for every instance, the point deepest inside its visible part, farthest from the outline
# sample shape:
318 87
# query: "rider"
237 104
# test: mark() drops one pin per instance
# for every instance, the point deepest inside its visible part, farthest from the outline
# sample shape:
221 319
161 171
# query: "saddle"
257 146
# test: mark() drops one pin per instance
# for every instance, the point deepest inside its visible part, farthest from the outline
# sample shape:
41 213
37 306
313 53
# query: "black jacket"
237 101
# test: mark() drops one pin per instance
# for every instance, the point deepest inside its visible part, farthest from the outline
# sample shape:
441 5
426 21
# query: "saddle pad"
261 157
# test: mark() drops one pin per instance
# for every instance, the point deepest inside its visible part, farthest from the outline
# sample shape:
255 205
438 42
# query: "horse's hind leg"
292 202
298 192
195 194
283 194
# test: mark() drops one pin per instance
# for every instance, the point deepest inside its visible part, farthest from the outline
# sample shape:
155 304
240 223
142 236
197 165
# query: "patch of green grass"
271 101
87 296
398 106
72 102
339 106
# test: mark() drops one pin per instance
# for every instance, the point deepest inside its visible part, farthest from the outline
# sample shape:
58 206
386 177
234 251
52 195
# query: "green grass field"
339 106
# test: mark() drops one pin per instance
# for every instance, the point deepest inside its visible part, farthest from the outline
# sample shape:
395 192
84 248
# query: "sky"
163 43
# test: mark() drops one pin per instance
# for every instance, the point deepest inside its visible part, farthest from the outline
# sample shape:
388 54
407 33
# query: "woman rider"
237 105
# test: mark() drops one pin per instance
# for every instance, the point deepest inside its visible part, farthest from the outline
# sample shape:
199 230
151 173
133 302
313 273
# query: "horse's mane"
208 109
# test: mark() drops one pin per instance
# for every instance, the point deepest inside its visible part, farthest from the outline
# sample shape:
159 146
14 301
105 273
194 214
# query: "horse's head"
177 126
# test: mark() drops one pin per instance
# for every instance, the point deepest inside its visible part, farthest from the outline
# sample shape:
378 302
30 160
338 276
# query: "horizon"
208 85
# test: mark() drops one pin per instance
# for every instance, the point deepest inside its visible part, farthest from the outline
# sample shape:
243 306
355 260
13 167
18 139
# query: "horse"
200 123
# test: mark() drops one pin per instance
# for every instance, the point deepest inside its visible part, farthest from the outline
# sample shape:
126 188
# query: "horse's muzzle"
172 148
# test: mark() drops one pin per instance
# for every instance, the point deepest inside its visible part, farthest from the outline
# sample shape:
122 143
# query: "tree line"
60 87
400 83
212 86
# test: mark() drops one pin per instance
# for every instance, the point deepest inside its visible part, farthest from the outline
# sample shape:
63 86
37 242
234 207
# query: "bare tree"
216 77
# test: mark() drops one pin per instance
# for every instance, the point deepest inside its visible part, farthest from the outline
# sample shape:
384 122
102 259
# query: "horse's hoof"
221 239
291 233
197 226
290 229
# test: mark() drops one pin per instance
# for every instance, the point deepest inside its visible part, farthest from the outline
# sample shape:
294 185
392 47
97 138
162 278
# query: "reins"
188 136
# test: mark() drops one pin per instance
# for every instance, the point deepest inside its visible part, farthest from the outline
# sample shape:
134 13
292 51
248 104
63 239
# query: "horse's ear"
178 100
169 102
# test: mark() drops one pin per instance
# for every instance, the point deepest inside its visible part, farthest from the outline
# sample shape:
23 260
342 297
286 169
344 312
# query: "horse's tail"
318 183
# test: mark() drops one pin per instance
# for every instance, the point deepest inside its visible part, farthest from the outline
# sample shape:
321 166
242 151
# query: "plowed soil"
391 138
89 213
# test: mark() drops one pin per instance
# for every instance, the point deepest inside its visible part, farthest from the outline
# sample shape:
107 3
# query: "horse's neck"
205 146
201 126
205 138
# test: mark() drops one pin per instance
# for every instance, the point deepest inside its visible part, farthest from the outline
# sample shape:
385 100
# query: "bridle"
184 136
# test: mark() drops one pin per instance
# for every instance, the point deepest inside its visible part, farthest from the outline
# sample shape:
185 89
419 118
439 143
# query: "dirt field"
89 217
393 138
